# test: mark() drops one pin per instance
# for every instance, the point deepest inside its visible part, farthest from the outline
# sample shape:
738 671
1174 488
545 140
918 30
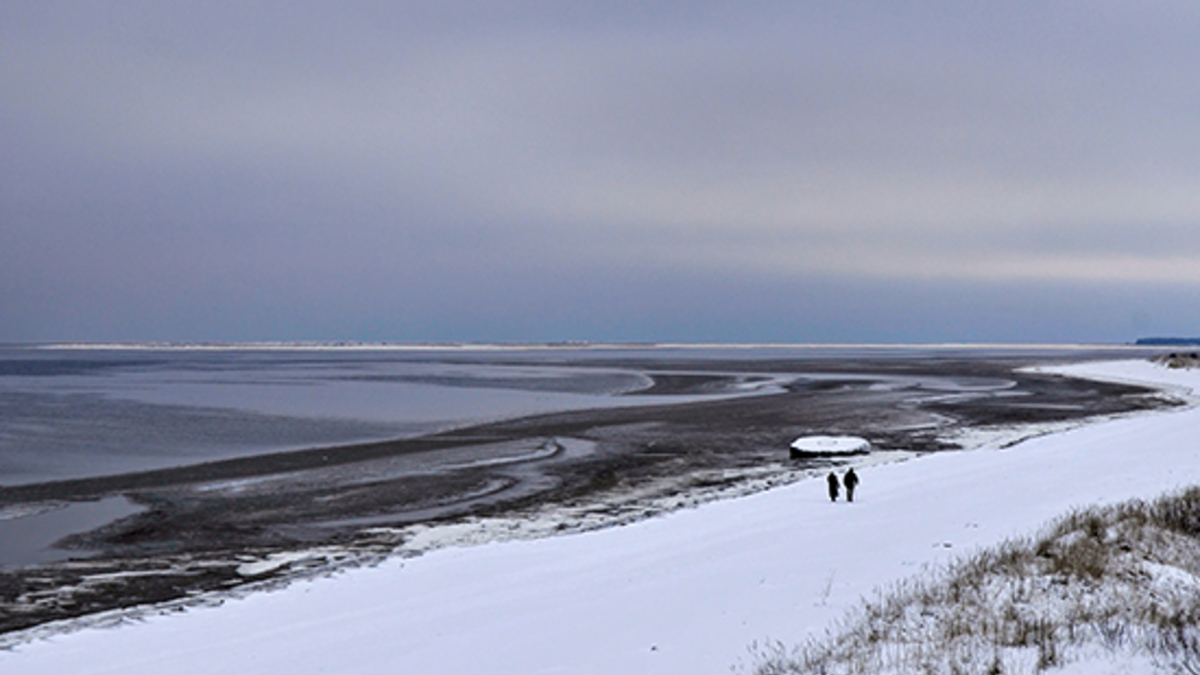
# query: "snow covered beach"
682 593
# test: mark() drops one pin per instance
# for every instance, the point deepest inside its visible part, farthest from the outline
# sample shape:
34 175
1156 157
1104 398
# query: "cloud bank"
687 171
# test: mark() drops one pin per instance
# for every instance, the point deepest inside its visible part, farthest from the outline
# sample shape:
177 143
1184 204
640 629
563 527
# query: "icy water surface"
72 412
29 535
103 413
68 413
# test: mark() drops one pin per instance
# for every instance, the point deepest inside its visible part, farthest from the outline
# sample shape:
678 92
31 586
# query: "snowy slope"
685 593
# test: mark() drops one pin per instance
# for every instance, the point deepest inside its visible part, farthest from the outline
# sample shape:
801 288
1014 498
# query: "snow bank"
1179 381
685 593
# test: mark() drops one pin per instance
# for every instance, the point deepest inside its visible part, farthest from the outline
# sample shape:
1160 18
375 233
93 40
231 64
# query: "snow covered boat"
827 446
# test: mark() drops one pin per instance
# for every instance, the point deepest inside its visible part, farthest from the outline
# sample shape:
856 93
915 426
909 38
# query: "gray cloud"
405 169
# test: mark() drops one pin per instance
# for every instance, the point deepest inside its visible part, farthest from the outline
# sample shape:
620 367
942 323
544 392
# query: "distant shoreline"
1167 342
350 345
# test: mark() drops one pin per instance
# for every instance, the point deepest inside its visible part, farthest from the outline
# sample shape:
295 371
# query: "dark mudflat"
200 522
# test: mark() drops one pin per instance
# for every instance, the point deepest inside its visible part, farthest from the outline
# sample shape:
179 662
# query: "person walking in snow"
851 481
834 486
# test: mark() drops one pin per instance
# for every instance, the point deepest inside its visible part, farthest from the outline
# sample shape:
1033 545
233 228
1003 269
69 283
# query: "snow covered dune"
685 593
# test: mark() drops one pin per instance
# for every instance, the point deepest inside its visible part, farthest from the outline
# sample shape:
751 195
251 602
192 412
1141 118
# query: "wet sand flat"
200 524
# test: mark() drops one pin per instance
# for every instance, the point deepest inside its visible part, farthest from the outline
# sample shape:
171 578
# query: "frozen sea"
684 593
74 411
77 412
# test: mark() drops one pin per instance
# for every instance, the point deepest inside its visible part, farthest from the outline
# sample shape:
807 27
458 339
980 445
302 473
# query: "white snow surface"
682 593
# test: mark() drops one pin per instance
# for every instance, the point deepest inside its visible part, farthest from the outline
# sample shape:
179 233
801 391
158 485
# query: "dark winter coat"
851 480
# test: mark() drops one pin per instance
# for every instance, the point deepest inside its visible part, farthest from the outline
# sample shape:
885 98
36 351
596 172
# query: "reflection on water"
28 537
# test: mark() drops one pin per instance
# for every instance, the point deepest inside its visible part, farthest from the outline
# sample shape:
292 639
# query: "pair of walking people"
835 487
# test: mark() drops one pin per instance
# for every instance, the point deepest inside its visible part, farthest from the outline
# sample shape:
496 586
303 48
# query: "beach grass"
1112 582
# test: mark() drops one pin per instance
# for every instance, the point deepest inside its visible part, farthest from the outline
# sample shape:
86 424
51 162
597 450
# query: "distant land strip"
1168 342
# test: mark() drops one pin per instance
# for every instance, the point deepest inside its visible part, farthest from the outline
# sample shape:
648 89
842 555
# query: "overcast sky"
613 170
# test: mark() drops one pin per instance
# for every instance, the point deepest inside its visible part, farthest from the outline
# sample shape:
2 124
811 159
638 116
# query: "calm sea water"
76 412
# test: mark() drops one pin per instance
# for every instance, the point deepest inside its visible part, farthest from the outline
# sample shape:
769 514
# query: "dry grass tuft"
1178 359
1120 579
